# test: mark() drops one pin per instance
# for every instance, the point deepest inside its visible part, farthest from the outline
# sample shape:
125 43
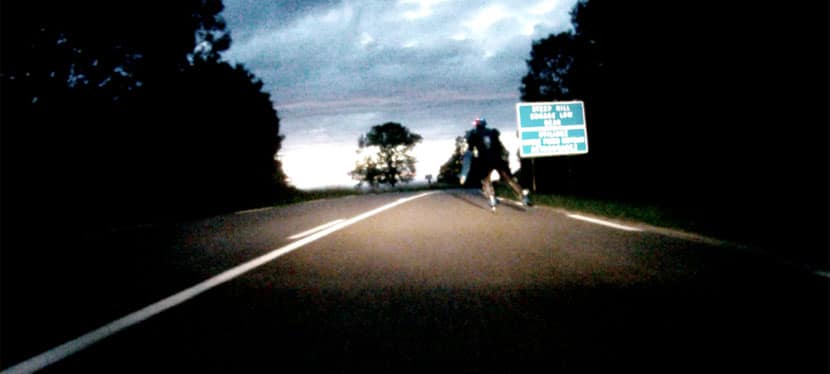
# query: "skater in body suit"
487 148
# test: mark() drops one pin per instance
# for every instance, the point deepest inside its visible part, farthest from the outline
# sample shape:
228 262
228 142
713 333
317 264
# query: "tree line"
692 105
123 112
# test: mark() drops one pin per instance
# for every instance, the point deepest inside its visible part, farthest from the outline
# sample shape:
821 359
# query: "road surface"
409 282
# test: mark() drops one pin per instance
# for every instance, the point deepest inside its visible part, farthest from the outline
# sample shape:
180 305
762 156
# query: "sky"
334 69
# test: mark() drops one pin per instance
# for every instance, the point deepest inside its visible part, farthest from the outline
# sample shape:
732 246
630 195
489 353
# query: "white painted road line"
74 346
318 228
255 210
604 223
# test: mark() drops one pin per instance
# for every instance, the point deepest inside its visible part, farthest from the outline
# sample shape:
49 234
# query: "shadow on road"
476 199
470 197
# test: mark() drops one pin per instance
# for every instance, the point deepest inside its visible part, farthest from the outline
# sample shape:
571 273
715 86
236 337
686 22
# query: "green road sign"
554 128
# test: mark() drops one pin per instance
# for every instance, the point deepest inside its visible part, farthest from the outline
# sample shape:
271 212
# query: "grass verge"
651 214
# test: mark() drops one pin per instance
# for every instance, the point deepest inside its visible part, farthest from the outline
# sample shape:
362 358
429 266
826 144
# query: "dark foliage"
452 168
718 108
121 112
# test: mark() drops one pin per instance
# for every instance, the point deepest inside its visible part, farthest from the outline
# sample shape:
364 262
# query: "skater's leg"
505 176
522 194
487 189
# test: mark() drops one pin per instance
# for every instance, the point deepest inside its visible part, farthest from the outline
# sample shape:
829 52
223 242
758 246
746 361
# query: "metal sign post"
533 172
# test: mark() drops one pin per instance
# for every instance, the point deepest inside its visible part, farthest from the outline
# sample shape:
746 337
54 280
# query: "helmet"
480 122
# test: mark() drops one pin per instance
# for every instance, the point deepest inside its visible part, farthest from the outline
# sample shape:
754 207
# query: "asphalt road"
435 282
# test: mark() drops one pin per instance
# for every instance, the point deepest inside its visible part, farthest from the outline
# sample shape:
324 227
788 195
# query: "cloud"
356 47
423 8
349 65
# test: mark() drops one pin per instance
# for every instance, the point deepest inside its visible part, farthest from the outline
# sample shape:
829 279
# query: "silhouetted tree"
639 75
549 69
677 96
449 170
122 111
225 142
385 155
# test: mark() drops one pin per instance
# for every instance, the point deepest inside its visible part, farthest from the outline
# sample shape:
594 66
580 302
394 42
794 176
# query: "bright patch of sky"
336 68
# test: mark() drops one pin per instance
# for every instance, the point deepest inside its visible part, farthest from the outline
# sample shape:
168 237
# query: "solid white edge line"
604 223
311 231
76 345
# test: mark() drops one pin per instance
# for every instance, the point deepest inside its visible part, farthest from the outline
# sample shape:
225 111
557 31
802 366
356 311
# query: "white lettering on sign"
548 115
565 111
552 118
563 148
541 108
554 133
578 139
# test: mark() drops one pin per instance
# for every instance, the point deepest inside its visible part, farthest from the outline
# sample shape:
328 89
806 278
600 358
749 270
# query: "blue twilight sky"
336 68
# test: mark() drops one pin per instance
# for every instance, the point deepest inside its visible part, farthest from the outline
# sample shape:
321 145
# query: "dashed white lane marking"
604 223
76 345
318 228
